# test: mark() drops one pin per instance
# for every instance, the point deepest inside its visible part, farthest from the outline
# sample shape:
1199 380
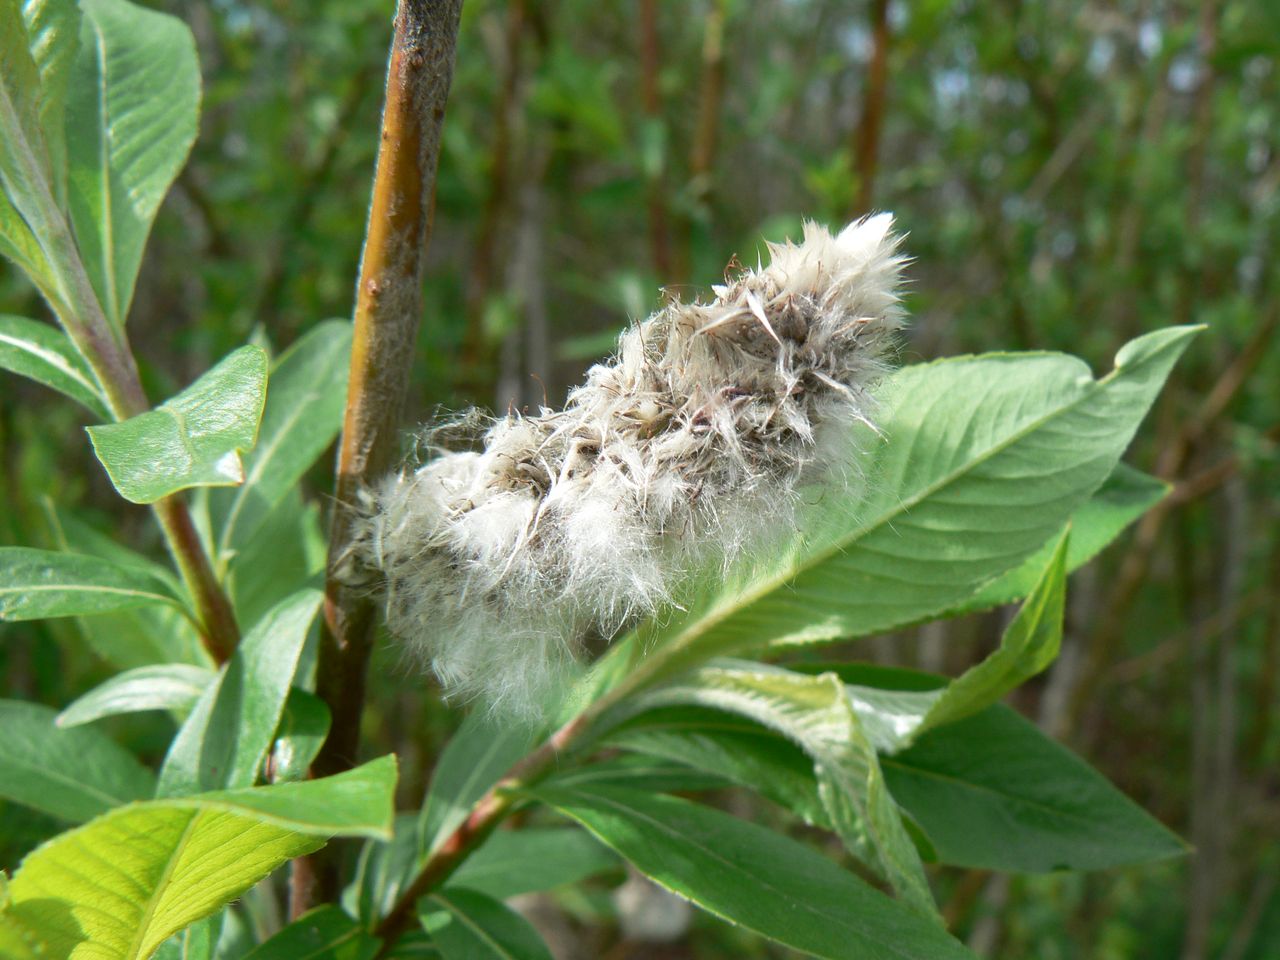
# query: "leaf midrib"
157 890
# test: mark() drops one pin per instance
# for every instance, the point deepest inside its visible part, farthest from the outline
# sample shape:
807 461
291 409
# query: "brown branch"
702 157
866 143
388 304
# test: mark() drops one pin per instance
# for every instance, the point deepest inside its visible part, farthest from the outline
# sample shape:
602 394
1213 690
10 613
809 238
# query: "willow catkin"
684 450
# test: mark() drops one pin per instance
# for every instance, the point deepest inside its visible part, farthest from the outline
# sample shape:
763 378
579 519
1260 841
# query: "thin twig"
388 304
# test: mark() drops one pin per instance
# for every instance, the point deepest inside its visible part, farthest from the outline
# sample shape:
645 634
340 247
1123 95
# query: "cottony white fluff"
684 450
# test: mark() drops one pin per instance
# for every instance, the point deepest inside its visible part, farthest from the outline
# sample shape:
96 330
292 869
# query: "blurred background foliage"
1070 175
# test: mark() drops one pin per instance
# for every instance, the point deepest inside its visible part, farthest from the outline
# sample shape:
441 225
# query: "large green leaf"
118 887
512 862
466 925
815 713
983 460
325 933
131 112
230 730
992 791
53 31
476 758
754 877
194 439
46 583
162 686
44 354
70 774
303 415
1127 495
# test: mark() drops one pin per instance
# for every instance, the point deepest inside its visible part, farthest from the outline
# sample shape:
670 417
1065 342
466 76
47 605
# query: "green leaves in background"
44 354
134 96
191 440
118 887
325 933
303 415
754 877
73 775
466 925
231 728
983 460
46 583
163 686
992 791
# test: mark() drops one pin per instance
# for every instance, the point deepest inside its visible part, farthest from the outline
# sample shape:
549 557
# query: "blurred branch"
651 106
866 143
388 304
476 359
1264 713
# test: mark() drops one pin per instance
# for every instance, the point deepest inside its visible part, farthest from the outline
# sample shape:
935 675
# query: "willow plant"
624 595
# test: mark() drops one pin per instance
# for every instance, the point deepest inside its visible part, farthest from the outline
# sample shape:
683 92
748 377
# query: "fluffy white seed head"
684 450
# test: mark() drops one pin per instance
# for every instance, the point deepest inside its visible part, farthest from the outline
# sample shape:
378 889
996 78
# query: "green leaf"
1030 643
754 877
286 554
465 925
53 32
118 887
1127 495
163 686
475 759
732 747
226 738
302 733
134 96
192 440
18 943
303 415
512 862
816 715
46 583
44 354
325 933
983 460
70 774
993 792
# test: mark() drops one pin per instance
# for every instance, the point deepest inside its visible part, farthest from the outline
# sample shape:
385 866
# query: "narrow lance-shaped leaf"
46 583
815 713
163 686
134 95
994 792
303 728
25 199
512 862
73 775
53 32
192 440
226 738
754 877
467 925
44 354
118 887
